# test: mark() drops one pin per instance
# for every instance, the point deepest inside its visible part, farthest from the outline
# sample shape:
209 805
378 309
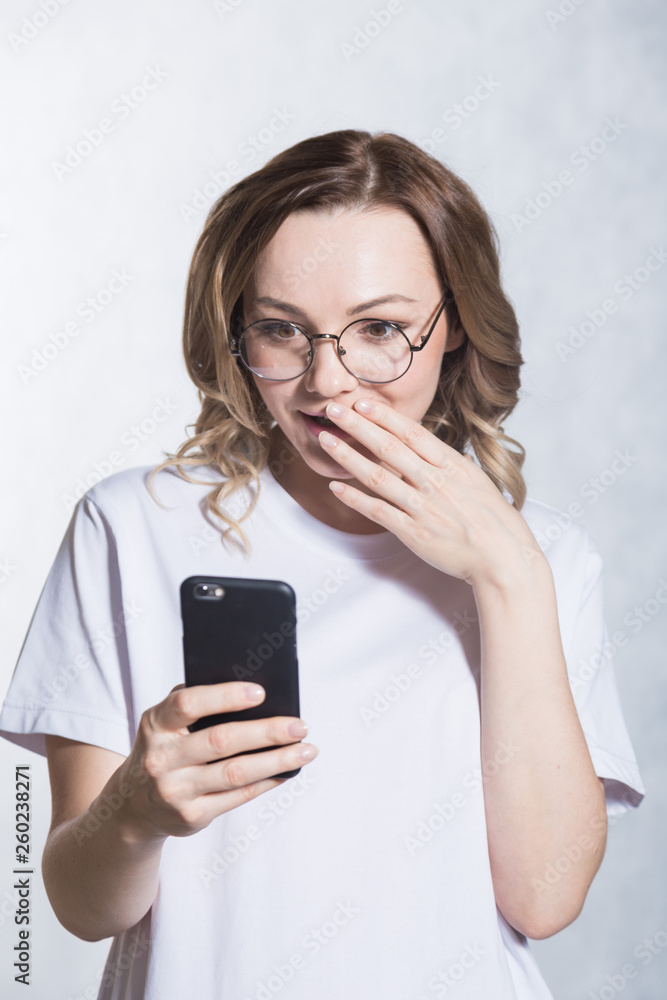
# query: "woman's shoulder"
558 532
575 560
134 488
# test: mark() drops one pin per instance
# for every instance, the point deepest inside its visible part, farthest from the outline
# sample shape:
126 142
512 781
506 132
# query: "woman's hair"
353 170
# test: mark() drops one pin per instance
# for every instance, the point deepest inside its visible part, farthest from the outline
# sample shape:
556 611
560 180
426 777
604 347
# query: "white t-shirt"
368 874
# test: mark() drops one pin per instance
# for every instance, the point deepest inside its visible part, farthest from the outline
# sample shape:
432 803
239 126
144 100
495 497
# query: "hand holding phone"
242 629
209 746
173 790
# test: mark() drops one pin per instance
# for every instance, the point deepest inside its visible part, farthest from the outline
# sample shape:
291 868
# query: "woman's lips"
316 428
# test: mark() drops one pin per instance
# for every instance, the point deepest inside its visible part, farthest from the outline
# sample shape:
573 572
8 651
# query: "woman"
350 340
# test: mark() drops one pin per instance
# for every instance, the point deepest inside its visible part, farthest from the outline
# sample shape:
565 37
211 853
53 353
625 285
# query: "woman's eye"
382 331
281 331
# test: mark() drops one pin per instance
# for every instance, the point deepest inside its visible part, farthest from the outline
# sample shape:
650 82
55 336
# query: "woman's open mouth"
318 424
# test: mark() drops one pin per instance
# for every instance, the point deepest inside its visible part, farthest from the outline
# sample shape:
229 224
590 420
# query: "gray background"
555 79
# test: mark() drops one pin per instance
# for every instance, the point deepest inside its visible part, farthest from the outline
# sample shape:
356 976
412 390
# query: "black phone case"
248 633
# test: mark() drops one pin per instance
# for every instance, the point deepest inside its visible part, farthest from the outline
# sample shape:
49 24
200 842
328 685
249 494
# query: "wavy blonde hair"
354 170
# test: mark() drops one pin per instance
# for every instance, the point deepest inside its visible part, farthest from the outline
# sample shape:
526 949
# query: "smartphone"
242 630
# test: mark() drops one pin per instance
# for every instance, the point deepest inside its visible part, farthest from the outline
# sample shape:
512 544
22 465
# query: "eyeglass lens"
370 350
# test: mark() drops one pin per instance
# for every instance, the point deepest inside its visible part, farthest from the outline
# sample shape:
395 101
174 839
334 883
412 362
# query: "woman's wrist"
120 802
529 569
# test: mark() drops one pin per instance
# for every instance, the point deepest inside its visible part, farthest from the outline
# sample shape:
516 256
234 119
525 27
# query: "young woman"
355 356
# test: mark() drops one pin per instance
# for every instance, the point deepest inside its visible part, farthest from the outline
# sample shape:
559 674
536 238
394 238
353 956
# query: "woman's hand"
172 790
447 510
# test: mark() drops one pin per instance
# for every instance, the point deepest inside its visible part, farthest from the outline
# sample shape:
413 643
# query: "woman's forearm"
100 875
543 800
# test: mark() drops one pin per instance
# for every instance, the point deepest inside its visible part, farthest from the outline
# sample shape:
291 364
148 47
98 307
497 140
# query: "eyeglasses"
372 350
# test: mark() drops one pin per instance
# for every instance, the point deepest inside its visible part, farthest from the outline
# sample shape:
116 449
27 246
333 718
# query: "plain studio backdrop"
124 121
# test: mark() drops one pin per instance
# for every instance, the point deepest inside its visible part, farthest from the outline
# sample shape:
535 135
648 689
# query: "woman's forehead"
365 254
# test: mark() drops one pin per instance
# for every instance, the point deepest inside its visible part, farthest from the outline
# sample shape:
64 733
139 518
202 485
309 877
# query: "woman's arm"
545 805
99 879
112 814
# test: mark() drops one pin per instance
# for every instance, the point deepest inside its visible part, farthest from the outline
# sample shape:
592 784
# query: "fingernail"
298 728
306 753
253 692
364 406
334 410
329 439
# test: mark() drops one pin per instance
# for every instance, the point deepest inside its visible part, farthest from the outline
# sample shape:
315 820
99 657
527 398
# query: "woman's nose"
327 375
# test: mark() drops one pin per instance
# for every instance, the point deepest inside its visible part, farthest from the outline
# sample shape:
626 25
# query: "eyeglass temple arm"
448 298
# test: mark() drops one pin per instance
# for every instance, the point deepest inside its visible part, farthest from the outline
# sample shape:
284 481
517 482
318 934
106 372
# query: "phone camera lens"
208 592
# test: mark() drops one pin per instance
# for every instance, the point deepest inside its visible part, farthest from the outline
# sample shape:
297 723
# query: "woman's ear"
455 336
455 332
237 321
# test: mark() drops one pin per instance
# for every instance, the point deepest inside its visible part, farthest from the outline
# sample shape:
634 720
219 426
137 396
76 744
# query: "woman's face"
317 271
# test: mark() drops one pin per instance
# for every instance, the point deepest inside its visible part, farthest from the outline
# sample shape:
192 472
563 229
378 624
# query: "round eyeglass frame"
235 344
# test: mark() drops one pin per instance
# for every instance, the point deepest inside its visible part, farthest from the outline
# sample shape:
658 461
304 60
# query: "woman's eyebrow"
266 300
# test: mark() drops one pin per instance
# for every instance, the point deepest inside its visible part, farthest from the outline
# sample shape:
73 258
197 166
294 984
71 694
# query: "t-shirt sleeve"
72 675
589 657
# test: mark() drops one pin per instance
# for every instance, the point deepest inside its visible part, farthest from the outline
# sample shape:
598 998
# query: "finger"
383 481
215 803
185 705
229 738
377 441
243 770
375 509
376 427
